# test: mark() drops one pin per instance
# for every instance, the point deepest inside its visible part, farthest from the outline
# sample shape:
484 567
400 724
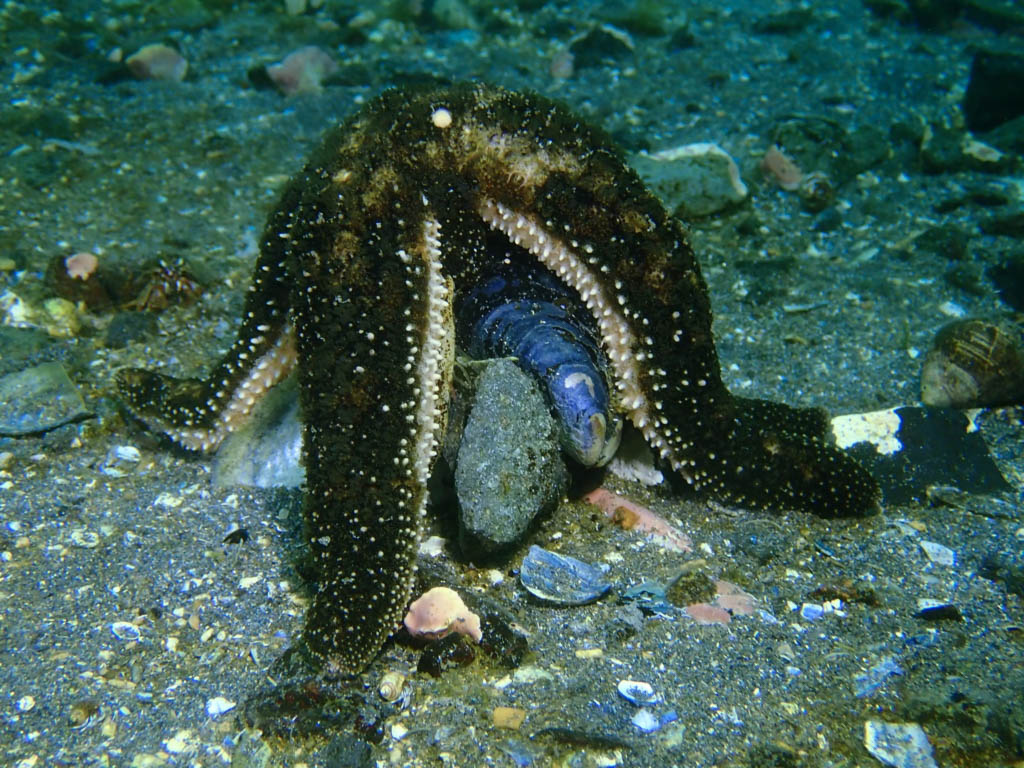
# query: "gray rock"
692 180
509 466
266 452
38 399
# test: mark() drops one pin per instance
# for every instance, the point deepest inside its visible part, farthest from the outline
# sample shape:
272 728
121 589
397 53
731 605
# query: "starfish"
360 265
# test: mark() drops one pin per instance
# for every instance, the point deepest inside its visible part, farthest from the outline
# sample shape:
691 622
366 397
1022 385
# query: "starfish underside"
359 267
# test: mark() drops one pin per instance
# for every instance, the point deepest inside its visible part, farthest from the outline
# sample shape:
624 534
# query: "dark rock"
966 277
450 651
761 540
940 612
347 751
502 643
21 346
641 18
1008 222
946 240
942 150
91 290
689 587
784 22
1000 15
1008 137
1008 278
600 45
130 326
988 196
995 90
1006 567
863 149
682 39
510 468
828 220
889 9
935 14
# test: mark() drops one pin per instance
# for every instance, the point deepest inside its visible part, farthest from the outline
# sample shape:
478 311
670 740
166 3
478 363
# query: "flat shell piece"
560 579
938 554
637 692
903 745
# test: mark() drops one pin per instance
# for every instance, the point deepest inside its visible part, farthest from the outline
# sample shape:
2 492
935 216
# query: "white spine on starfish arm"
436 357
619 342
276 363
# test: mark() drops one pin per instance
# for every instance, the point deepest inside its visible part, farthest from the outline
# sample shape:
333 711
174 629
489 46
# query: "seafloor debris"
560 579
637 692
903 745
634 517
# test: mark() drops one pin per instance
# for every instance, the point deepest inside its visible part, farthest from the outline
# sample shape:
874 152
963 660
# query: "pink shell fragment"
439 611
633 517
80 266
730 600
302 71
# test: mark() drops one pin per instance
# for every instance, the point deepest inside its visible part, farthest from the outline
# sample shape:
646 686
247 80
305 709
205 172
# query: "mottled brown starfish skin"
391 210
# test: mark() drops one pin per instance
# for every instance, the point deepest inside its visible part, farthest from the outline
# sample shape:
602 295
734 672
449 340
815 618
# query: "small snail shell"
391 685
975 363
816 192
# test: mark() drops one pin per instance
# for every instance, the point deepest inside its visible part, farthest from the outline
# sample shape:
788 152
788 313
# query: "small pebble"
510 718
218 705
25 703
811 611
85 539
157 62
645 721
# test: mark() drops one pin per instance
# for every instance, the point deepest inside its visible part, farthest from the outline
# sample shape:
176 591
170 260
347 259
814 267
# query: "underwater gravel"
138 601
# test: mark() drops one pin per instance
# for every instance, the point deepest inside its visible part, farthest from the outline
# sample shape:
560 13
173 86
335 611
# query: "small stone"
811 611
693 180
85 539
510 718
180 742
218 705
266 451
25 703
995 90
938 554
645 721
157 62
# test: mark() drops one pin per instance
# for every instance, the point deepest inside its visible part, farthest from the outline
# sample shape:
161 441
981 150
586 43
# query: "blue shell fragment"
871 680
560 579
